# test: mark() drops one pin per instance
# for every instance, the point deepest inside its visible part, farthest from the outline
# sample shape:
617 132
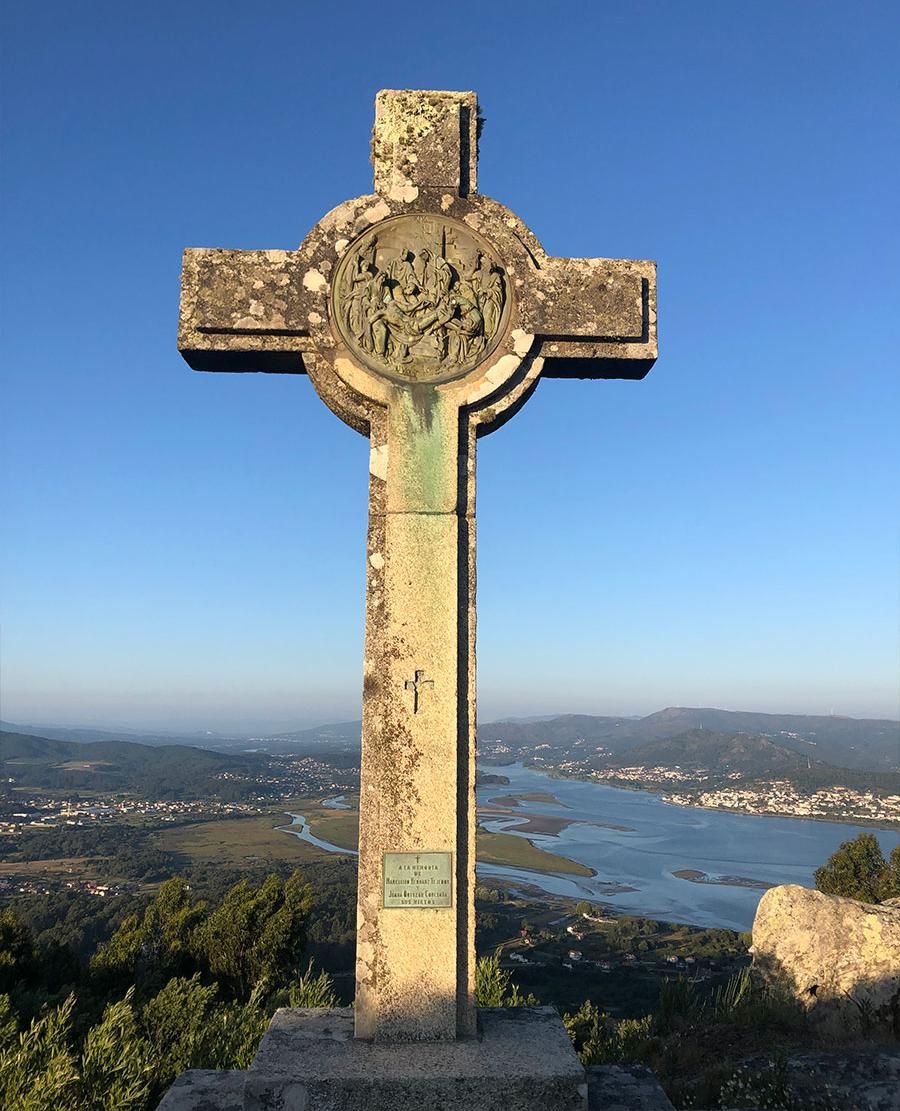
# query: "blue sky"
187 549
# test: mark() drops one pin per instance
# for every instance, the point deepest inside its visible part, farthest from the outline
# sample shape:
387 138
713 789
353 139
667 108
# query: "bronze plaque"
420 298
418 880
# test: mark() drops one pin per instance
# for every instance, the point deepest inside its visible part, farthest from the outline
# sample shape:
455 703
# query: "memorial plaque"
418 880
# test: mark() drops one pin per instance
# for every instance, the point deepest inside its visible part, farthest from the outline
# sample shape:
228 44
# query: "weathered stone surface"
205 1090
841 958
596 317
522 1061
625 1088
243 311
426 139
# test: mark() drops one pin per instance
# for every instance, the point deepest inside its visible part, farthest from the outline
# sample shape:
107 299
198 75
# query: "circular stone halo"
378 288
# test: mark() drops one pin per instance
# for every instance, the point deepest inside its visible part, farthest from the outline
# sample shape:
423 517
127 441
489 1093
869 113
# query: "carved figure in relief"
420 310
465 330
491 298
402 271
359 278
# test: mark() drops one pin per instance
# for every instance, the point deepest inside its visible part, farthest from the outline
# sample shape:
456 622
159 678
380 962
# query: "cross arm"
243 311
596 317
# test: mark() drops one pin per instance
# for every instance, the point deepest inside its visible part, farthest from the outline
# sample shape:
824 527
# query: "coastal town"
552 944
39 812
777 797
782 798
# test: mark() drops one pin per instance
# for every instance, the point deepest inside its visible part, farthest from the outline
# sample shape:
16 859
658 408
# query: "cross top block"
424 283
425 140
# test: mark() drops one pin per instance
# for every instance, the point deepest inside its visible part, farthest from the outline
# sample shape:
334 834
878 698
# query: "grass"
518 852
529 823
74 866
525 796
340 827
238 841
259 839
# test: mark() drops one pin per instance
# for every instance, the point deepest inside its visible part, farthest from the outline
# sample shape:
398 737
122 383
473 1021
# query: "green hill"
718 753
153 771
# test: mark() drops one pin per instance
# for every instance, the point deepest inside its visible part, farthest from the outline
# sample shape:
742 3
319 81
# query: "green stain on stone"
430 449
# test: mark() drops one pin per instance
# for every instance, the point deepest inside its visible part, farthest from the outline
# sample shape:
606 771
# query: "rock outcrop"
839 957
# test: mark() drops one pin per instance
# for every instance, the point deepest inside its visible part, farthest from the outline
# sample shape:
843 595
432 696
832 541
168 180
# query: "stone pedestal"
521 1060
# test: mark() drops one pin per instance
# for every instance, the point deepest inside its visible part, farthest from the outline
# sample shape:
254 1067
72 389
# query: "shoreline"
885 824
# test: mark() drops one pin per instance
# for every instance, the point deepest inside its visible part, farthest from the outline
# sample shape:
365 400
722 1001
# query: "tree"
584 908
38 1070
588 1028
17 957
258 934
890 878
152 949
176 1022
857 870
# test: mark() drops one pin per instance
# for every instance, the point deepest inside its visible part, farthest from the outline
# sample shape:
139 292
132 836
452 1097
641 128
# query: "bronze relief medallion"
420 298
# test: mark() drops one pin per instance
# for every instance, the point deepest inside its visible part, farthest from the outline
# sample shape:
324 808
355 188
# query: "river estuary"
652 858
660 839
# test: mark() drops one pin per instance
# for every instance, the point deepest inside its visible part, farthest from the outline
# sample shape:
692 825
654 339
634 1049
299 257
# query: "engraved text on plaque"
418 880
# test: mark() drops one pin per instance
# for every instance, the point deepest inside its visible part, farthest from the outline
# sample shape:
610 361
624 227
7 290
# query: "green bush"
858 870
494 986
599 1040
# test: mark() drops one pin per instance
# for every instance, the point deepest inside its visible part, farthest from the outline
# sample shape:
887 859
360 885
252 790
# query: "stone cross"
424 314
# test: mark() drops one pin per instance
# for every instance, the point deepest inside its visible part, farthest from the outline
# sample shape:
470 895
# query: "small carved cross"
415 685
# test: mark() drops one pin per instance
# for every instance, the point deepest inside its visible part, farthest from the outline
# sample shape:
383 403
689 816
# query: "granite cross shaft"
424 314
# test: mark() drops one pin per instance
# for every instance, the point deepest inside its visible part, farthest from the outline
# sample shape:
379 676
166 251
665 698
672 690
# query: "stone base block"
522 1060
625 1088
205 1090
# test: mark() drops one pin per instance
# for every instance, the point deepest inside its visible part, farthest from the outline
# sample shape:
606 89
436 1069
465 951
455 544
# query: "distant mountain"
565 729
86 734
719 753
846 742
861 743
161 772
342 737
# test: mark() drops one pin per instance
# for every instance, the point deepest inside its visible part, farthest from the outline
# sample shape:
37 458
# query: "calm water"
662 839
300 828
